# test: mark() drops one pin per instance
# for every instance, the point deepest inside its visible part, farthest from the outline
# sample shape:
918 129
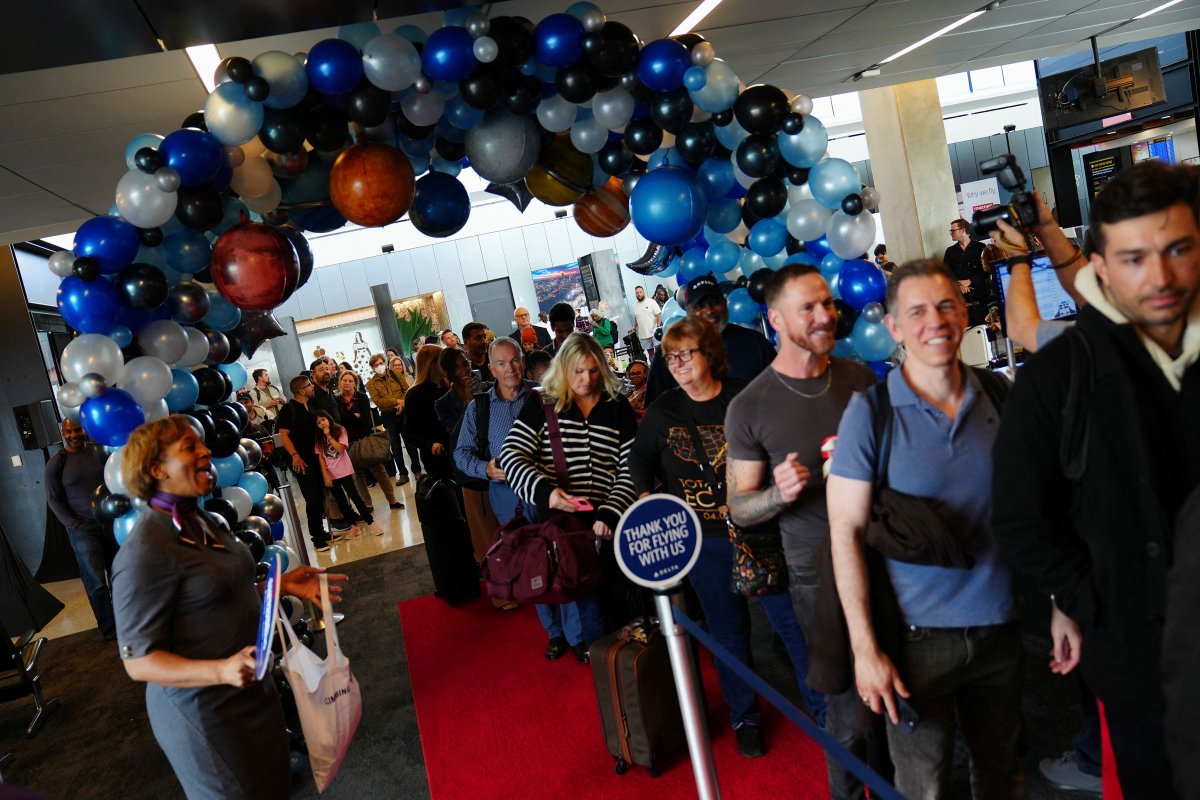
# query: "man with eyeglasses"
965 260
298 429
524 323
748 351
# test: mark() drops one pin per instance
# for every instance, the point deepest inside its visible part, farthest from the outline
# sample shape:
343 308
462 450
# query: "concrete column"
381 296
910 162
608 281
289 361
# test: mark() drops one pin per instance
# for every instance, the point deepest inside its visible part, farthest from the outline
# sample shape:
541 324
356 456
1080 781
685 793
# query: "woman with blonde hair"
597 428
187 613
420 418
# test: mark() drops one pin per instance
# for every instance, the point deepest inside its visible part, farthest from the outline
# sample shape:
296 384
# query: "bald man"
524 321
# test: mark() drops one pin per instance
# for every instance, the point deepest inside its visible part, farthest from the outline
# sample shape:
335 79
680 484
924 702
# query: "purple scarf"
185 513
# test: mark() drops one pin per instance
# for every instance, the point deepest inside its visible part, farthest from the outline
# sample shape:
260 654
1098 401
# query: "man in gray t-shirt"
775 429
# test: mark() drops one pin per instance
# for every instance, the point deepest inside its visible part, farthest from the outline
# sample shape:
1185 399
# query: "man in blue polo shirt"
959 655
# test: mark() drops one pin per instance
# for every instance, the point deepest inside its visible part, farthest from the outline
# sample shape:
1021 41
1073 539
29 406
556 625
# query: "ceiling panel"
759 35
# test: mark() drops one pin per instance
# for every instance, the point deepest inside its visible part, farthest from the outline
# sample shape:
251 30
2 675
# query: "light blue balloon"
667 322
273 550
720 88
831 180
222 315
150 140
724 215
806 148
121 335
255 485
229 470
671 308
413 33
872 340
695 78
731 135
582 9
457 16
420 164
722 256
742 309
184 390
284 75
460 115
767 237
716 178
187 251
751 261
123 526
236 373
831 264
776 261
439 164
844 348
802 258
415 148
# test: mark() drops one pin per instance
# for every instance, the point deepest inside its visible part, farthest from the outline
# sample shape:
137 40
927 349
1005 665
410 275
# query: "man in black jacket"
1099 450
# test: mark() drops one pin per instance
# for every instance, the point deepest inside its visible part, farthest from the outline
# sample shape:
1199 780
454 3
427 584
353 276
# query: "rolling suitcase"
639 708
447 540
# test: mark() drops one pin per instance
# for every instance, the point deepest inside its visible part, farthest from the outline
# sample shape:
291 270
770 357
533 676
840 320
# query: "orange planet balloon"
605 211
561 175
371 184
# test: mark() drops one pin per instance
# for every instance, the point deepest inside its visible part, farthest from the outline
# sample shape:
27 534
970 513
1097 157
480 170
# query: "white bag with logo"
327 696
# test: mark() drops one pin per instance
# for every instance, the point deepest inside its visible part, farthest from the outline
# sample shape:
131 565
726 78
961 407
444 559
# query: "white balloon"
742 178
485 49
850 236
197 348
555 113
802 104
239 498
613 108
156 410
62 262
112 473
141 201
808 220
423 109
589 136
147 378
870 198
92 353
164 339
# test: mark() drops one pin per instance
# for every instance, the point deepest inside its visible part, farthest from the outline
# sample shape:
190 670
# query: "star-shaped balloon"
653 261
516 193
255 328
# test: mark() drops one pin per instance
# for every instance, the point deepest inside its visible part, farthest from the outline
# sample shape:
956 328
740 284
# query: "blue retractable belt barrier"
879 787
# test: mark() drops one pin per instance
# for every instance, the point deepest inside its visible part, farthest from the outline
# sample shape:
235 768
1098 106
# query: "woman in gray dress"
187 617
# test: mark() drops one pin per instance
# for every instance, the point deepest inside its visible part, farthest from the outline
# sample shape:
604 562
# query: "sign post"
657 543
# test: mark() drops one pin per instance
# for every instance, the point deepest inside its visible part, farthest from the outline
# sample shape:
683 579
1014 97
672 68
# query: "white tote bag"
327 696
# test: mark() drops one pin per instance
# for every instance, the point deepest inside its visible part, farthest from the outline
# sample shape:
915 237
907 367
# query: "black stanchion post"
295 533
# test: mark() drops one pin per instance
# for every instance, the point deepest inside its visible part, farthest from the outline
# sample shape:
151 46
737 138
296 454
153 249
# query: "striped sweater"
597 451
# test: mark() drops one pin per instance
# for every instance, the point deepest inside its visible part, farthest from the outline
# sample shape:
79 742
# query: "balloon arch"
206 234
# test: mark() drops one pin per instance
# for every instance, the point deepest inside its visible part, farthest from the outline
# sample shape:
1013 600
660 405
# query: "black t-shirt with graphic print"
664 452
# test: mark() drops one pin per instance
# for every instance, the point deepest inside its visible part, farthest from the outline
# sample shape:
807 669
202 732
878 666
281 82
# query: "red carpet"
499 721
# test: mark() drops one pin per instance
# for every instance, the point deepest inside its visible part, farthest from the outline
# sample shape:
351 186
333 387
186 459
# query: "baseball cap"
699 288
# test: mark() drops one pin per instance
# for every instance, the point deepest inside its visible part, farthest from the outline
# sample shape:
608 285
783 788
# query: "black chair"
19 675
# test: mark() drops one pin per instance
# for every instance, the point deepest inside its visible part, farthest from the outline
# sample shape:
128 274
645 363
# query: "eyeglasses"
682 357
522 316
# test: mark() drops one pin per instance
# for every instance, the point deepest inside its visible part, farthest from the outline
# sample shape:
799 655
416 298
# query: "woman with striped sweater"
598 427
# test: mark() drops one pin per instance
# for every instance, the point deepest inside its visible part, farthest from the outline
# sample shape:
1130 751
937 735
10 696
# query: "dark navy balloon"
112 241
558 40
662 65
334 66
440 205
194 154
861 282
111 417
88 306
447 54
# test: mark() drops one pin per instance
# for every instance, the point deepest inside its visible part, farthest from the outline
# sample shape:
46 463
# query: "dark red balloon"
254 266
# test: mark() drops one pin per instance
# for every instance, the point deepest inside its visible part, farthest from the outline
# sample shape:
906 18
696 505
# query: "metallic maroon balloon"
254 266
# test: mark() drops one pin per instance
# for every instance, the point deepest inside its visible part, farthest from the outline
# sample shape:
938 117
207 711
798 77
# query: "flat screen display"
1052 299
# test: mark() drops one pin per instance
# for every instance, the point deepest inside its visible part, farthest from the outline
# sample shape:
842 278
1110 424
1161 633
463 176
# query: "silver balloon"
92 385
555 113
232 117
233 156
589 136
147 378
802 104
391 63
503 147
799 193
593 20
271 507
196 349
92 353
155 411
703 54
239 498
244 455
807 220
70 395
629 81
423 109
873 312
62 262
485 49
71 413
422 85
167 179
870 198
165 340
142 202
112 473
850 236
613 108
253 451
477 25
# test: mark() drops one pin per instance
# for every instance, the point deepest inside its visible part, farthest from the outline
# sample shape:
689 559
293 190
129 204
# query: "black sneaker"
556 649
581 653
750 741
323 547
339 524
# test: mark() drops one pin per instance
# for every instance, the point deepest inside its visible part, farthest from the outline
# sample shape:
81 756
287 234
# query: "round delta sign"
658 541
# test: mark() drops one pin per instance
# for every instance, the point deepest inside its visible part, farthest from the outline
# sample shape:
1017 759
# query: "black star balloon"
516 193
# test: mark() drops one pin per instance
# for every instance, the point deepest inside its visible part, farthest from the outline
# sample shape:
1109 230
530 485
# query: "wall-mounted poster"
561 284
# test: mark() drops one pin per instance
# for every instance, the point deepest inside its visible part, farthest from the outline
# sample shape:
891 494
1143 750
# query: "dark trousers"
1087 739
95 549
312 486
1141 755
394 425
342 489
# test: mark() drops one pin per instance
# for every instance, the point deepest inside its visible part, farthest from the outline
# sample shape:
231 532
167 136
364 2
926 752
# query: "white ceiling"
63 131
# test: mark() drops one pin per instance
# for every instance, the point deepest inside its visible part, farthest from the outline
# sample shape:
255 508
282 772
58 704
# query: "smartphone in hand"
582 504
909 718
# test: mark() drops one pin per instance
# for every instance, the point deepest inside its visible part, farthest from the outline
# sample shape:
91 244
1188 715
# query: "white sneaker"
1064 773
375 529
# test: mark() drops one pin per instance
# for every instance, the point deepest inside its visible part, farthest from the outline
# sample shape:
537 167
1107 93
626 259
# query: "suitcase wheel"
621 767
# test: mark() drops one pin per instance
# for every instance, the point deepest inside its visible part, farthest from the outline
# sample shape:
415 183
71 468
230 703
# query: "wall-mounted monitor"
1125 83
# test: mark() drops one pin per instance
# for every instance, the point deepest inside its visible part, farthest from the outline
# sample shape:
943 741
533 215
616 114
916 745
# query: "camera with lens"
1021 210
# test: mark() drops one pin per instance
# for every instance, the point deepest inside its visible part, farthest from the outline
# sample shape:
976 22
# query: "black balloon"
222 411
147 160
516 193
325 128
671 110
451 151
758 155
761 108
689 40
282 130
793 123
218 347
643 137
225 439
514 41
257 327
591 43
766 197
852 204
304 256
748 219
86 268
194 120
240 412
794 245
797 176
252 540
575 83
757 285
523 95
228 383
411 129
261 572
696 142
269 508
222 508
199 207
482 89
235 350
618 52
141 286
212 390
257 89
368 105
188 302
614 158
200 415
722 118
237 68
151 237
259 526
847 316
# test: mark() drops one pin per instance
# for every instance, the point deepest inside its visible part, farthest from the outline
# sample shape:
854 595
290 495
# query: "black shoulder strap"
1072 448
710 473
995 387
483 418
881 410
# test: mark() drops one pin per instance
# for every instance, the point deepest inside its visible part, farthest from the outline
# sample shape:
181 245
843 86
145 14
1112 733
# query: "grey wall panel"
425 268
491 252
403 278
470 260
309 298
516 253
376 271
358 288
537 247
558 239
333 289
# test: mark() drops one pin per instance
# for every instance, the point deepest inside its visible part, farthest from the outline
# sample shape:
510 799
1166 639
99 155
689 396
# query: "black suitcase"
447 540
639 708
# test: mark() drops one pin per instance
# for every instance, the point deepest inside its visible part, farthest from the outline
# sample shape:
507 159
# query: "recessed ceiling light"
942 32
702 11
1157 9
205 58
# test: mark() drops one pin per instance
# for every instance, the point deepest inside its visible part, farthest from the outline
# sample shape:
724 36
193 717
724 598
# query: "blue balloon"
358 33
188 251
720 88
818 247
751 262
89 306
558 40
440 205
185 390
871 340
255 484
806 148
742 309
716 177
776 261
724 215
831 180
194 154
662 65
723 256
460 115
121 335
802 258
112 241
111 417
223 178
151 140
448 55
333 66
277 530
844 348
229 470
767 237
222 315
695 78
831 265
880 368
862 282
231 214
666 157
731 135
273 550
237 374
692 265
667 206
123 526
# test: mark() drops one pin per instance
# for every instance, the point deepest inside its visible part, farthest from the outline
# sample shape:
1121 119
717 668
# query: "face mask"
380 369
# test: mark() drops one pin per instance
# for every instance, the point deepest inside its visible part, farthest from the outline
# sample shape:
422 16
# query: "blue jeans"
576 622
969 678
95 549
728 616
